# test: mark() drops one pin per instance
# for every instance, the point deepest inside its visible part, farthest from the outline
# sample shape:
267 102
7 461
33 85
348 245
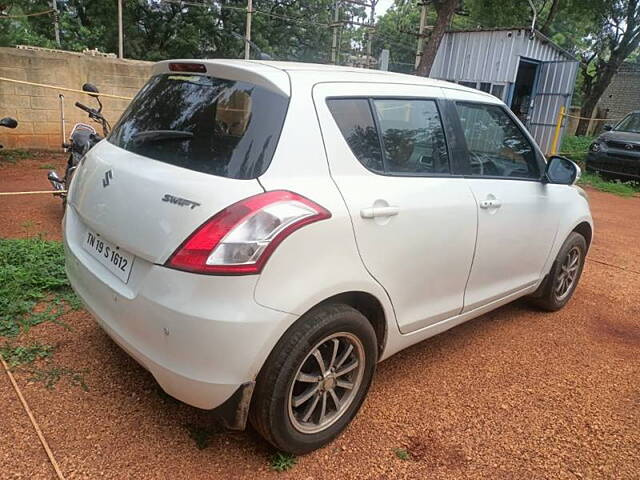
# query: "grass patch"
52 375
16 355
12 156
281 462
576 148
623 189
32 272
402 453
47 166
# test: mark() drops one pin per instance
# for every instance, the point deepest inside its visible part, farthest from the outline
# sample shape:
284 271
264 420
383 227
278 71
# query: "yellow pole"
556 135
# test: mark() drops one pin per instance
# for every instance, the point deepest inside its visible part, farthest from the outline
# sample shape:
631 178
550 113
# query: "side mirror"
90 88
562 171
608 128
8 122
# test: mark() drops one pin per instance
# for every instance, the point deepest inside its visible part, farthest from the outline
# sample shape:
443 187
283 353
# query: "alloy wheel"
326 382
567 274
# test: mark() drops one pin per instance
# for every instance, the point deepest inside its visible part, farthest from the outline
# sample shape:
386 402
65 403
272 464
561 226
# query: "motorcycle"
82 139
8 122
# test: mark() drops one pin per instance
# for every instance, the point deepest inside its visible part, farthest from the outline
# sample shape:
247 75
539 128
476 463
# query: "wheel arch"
369 306
584 229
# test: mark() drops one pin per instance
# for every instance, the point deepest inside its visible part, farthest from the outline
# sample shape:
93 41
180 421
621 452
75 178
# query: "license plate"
111 256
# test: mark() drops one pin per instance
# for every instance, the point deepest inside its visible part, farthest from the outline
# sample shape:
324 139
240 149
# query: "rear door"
413 219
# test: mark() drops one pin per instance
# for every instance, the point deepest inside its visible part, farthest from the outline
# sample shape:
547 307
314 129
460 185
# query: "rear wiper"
161 135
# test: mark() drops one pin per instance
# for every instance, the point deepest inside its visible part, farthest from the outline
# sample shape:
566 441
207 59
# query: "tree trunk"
553 13
445 10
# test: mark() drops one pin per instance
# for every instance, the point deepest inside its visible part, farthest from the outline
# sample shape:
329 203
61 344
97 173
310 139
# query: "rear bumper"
203 338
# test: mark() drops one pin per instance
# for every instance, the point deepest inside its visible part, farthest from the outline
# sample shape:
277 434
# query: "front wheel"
565 273
315 380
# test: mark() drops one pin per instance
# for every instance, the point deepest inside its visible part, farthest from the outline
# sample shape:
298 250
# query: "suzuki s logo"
108 176
628 146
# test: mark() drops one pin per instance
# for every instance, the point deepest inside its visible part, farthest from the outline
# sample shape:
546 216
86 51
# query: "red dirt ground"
513 394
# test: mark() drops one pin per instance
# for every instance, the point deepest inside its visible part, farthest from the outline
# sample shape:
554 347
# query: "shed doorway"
524 89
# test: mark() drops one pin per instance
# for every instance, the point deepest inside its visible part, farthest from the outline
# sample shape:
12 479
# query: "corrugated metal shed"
491 61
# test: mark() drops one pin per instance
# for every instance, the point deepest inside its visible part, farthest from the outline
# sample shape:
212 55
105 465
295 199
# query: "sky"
382 7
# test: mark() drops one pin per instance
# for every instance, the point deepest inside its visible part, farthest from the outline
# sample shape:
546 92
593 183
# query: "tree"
616 40
445 9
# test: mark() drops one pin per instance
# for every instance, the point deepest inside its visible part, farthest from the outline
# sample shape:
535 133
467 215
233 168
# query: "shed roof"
537 33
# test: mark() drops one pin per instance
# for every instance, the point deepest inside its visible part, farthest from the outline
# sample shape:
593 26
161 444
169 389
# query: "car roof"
276 74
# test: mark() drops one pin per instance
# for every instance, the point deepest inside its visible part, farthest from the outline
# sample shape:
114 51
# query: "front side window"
497 147
211 125
412 136
630 123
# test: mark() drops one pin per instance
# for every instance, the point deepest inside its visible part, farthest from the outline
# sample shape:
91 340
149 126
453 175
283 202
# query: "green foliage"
16 355
31 272
281 462
623 189
402 453
52 375
12 156
156 30
576 148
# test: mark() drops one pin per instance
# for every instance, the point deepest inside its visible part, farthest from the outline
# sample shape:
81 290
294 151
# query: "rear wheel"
315 380
565 273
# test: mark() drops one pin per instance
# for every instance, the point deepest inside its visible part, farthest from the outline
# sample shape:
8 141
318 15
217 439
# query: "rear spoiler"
266 76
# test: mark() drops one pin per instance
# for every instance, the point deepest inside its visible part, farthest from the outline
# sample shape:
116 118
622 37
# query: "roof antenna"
535 17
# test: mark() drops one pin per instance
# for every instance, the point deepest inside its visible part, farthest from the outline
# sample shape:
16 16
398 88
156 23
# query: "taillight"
188 67
240 239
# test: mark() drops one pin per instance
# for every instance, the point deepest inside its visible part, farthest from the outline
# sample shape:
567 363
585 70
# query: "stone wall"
37 109
623 94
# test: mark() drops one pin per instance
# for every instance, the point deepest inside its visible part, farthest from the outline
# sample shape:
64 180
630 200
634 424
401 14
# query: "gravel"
516 393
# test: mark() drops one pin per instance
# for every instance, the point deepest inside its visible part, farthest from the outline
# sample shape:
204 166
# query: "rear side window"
210 125
412 136
497 147
355 121
407 140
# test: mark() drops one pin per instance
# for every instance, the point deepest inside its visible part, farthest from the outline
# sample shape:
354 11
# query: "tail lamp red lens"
240 239
188 67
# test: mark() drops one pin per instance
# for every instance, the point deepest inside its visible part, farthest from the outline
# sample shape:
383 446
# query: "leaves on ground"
52 375
16 355
31 273
281 461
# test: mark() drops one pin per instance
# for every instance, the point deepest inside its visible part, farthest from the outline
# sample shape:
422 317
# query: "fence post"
556 134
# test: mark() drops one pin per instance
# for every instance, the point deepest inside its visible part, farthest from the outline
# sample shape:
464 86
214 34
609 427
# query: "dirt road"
514 394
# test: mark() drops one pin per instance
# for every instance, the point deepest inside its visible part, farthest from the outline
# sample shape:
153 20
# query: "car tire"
346 342
558 287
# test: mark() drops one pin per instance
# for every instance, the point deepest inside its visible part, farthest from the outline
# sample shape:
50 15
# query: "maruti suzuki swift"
258 235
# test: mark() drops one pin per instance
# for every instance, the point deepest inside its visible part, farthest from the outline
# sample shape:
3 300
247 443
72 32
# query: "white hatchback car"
258 235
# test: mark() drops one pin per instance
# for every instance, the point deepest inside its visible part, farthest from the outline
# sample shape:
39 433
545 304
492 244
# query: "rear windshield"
210 125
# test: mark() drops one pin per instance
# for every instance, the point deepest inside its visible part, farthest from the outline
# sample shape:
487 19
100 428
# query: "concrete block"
14 101
44 103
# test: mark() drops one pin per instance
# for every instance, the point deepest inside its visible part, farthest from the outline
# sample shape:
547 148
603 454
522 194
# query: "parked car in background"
616 152
259 235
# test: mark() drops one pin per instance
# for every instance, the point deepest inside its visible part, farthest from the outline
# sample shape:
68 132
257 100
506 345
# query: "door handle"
493 203
374 212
